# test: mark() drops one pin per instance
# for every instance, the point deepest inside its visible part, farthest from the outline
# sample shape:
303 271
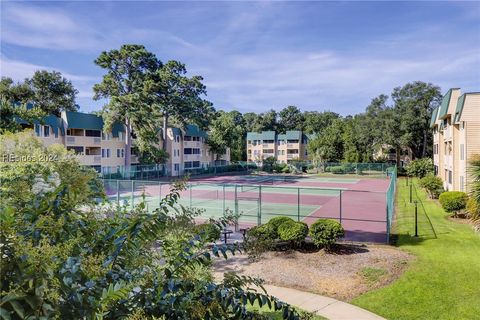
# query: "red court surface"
361 207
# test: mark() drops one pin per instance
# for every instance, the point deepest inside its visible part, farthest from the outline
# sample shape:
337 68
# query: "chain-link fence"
366 215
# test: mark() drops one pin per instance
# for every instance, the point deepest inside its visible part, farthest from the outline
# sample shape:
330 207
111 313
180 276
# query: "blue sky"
255 56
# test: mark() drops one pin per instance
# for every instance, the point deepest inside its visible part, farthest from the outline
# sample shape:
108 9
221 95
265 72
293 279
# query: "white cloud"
19 70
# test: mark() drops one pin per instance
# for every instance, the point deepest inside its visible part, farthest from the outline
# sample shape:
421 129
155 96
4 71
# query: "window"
177 138
196 164
188 164
118 153
93 133
77 150
106 136
435 170
449 176
462 152
176 167
191 151
105 153
46 131
122 152
108 153
37 130
462 183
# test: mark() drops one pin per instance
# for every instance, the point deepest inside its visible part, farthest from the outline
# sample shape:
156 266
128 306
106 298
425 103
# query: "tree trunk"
164 132
128 144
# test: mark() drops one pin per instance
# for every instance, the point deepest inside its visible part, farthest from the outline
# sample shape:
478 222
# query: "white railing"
97 140
292 145
97 159
70 139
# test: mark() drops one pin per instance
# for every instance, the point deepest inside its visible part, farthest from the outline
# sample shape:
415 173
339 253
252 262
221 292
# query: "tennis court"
363 206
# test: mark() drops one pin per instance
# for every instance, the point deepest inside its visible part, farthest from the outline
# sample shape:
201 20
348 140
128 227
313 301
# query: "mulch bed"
339 274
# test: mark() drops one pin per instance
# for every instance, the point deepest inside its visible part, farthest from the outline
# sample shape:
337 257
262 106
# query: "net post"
298 204
340 199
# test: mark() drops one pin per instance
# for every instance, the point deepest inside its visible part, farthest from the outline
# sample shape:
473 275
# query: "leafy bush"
336 169
64 257
325 232
209 231
453 201
420 167
276 222
473 209
433 185
292 231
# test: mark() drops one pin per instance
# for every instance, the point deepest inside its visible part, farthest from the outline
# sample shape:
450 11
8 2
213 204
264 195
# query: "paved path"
326 307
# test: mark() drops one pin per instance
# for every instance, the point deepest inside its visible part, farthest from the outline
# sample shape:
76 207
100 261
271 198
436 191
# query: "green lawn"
443 282
277 315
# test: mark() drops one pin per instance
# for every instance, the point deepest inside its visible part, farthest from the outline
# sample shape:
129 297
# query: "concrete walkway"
323 306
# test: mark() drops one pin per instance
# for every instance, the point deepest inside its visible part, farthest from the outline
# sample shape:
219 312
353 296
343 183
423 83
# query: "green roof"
434 117
79 120
443 111
53 121
265 135
459 109
194 131
87 121
176 132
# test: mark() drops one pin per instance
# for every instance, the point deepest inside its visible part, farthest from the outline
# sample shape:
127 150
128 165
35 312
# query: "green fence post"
133 193
118 192
259 220
340 198
224 198
298 204
159 192
190 186
236 200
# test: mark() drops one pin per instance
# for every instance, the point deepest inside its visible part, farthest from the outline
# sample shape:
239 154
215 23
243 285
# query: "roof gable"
433 119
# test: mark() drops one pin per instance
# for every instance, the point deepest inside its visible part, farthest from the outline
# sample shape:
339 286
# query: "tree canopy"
48 91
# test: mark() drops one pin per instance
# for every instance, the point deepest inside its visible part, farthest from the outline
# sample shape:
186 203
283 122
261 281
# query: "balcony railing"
292 155
70 139
292 145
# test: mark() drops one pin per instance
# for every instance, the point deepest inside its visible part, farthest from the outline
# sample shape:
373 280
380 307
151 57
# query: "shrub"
473 209
264 231
208 231
420 167
292 231
432 184
276 222
286 169
453 201
336 169
325 232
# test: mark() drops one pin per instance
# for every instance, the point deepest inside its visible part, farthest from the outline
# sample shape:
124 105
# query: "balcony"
83 141
89 160
292 145
292 156
188 157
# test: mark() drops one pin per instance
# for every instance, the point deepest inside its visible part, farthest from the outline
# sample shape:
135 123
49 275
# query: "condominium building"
83 133
456 137
291 145
189 151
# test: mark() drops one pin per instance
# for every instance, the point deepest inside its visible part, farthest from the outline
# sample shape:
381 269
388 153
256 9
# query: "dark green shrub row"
324 232
453 201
